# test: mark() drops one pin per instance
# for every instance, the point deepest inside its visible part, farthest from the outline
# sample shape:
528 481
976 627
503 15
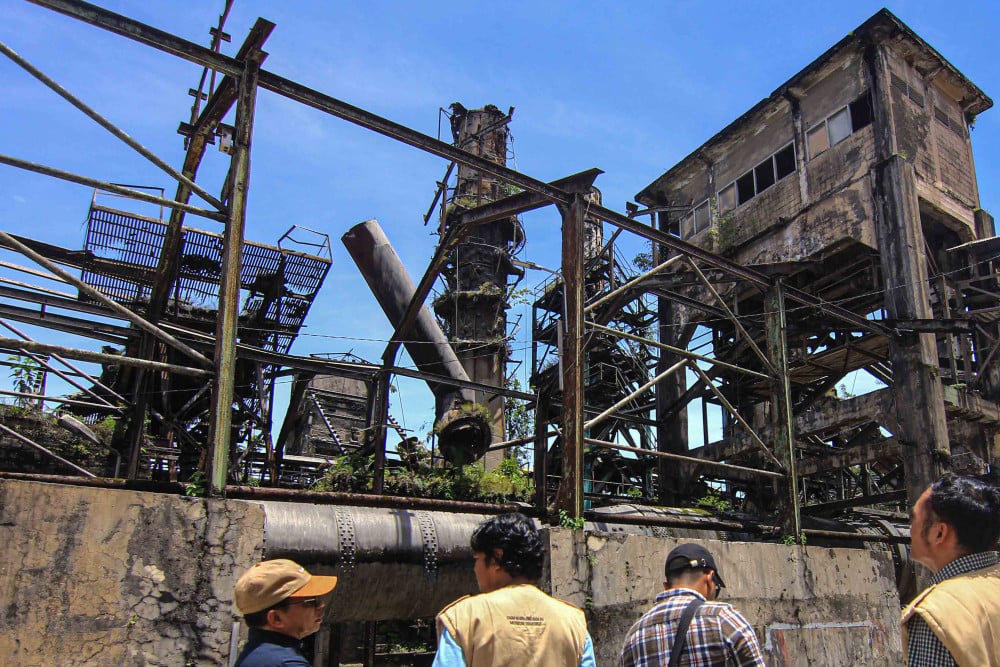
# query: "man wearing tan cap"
282 603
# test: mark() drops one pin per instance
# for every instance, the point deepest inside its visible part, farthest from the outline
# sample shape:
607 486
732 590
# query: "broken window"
744 188
861 112
784 161
764 174
752 183
839 125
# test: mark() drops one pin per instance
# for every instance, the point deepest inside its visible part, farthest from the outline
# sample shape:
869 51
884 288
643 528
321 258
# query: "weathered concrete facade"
854 181
105 577
97 576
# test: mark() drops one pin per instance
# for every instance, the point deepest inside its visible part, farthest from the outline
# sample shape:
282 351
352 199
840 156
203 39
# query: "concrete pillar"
916 387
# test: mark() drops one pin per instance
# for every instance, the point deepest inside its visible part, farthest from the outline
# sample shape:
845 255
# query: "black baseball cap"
691 556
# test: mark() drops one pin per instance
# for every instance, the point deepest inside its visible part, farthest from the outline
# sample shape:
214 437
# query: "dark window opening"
744 187
784 162
861 112
765 175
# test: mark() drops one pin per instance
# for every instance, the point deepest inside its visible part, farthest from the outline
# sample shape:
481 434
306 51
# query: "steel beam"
686 459
107 187
108 125
100 357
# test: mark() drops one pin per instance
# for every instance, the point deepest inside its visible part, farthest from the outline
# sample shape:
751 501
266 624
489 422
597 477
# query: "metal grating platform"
278 284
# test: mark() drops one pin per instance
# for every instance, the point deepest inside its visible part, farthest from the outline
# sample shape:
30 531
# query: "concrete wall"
93 576
107 577
808 605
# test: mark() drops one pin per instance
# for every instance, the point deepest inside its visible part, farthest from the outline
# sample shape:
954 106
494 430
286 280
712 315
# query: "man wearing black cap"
687 627
282 603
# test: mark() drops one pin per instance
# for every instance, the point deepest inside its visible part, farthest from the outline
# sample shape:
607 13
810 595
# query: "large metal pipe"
463 436
391 563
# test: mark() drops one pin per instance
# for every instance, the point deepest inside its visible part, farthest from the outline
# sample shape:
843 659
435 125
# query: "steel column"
227 322
570 496
783 423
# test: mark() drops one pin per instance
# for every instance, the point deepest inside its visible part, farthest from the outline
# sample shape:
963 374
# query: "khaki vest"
964 613
517 625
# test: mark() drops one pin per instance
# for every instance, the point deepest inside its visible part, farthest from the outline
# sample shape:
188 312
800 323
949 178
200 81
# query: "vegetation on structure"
24 374
714 500
567 521
465 409
418 476
43 428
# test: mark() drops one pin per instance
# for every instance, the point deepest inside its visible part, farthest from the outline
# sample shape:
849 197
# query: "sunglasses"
305 602
718 585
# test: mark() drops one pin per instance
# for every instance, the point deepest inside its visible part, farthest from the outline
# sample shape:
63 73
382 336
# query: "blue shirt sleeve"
449 654
588 654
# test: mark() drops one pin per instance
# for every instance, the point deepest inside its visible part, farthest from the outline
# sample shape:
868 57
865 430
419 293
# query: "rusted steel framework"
752 316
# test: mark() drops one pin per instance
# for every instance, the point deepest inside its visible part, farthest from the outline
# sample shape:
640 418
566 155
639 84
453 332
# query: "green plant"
633 492
196 484
790 540
517 414
714 499
24 374
644 260
566 521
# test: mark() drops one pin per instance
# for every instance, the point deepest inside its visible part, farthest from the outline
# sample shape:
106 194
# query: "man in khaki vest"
955 620
511 623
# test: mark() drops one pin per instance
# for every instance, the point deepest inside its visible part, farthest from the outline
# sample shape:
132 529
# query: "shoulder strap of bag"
680 638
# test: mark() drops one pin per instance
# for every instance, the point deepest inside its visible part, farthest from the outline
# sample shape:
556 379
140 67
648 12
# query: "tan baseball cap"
269 582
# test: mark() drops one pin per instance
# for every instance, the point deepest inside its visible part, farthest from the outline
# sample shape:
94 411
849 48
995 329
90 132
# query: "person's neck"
947 558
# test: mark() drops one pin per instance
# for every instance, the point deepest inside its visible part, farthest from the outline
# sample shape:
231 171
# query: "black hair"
971 507
514 534
685 575
257 619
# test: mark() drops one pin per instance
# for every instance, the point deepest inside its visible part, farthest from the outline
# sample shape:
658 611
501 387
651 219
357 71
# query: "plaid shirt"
718 635
924 649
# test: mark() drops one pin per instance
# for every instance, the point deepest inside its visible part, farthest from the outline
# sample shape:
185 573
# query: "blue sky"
628 87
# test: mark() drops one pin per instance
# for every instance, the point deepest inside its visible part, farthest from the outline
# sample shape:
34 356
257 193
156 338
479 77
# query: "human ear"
275 619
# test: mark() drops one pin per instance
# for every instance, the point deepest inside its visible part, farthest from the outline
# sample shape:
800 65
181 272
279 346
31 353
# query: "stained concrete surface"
109 577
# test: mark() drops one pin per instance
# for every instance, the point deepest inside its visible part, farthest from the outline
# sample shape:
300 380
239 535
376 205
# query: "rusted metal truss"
771 365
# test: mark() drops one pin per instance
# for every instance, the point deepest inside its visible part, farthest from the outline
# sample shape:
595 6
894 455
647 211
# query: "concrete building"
853 181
